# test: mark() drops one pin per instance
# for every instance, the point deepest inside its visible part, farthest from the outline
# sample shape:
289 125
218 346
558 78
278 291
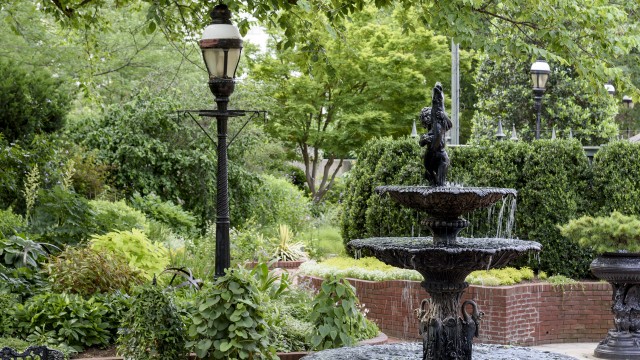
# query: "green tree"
569 104
368 85
573 32
32 101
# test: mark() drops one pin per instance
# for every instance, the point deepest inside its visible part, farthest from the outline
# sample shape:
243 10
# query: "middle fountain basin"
446 263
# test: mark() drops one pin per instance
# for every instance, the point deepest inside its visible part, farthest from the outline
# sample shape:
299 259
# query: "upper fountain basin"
445 202
439 262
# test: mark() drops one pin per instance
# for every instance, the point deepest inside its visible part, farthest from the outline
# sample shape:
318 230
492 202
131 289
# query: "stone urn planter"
622 271
616 238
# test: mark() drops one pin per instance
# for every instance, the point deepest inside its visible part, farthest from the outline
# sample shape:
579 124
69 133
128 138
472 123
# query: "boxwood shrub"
554 180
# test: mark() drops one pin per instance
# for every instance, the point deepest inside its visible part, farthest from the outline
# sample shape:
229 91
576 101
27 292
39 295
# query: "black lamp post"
221 46
539 75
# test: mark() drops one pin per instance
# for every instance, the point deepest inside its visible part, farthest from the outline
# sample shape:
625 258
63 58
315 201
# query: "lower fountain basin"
444 262
413 351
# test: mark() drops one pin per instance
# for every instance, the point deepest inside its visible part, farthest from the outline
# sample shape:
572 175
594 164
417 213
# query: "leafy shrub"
135 247
380 162
63 319
89 176
23 282
86 271
7 323
32 101
285 249
61 217
165 212
605 233
280 202
228 320
20 251
10 223
615 184
552 179
337 316
249 243
114 216
152 328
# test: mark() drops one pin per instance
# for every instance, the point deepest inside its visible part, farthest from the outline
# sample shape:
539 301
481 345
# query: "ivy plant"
152 329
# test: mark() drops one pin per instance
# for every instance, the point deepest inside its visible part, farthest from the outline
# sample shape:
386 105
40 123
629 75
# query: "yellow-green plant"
134 246
67 174
497 277
605 233
30 192
285 250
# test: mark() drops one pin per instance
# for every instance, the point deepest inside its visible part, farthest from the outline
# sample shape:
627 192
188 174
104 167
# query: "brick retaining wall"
525 314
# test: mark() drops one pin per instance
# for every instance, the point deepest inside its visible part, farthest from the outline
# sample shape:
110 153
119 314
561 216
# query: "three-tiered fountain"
447 326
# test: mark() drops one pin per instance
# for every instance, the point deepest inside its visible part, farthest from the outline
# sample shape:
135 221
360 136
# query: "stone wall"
525 314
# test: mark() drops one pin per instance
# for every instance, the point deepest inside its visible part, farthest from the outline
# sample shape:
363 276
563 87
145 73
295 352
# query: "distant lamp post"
610 88
221 46
414 131
514 135
539 75
500 135
627 101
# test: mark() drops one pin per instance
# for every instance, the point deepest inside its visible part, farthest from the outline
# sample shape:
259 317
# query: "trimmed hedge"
554 181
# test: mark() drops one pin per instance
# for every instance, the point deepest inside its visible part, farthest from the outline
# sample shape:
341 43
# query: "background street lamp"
221 46
610 88
627 101
539 75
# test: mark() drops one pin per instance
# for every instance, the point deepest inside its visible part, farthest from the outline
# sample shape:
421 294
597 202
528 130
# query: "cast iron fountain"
447 326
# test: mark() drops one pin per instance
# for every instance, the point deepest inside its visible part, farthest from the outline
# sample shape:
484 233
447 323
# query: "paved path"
577 350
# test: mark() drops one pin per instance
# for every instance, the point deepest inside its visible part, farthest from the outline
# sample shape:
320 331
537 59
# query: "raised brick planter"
526 314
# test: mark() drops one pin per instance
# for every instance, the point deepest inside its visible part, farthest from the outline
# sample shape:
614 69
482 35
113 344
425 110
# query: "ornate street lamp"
514 135
610 88
627 101
500 135
221 46
539 75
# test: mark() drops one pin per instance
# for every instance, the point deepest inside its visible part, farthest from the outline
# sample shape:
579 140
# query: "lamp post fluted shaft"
538 107
223 251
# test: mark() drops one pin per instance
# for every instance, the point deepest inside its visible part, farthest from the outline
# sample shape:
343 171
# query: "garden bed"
524 314
110 353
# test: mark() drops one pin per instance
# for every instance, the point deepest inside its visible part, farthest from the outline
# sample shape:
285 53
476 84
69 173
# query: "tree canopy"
587 34
372 82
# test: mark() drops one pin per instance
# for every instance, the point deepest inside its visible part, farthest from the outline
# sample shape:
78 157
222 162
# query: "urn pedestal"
622 271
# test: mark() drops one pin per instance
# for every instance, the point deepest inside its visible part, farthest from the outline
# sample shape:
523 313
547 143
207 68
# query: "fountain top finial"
437 123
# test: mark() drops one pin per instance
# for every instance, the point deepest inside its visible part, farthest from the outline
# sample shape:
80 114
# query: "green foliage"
196 254
228 320
380 162
560 280
85 271
32 101
498 277
152 329
61 217
605 233
7 323
19 251
250 244
135 247
10 223
552 179
63 319
165 212
285 249
280 202
569 103
113 216
337 316
367 268
323 241
615 185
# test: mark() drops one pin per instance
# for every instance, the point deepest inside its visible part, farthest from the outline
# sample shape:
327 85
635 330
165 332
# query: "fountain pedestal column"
446 335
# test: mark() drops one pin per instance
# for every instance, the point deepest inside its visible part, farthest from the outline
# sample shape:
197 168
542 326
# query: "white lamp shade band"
218 41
